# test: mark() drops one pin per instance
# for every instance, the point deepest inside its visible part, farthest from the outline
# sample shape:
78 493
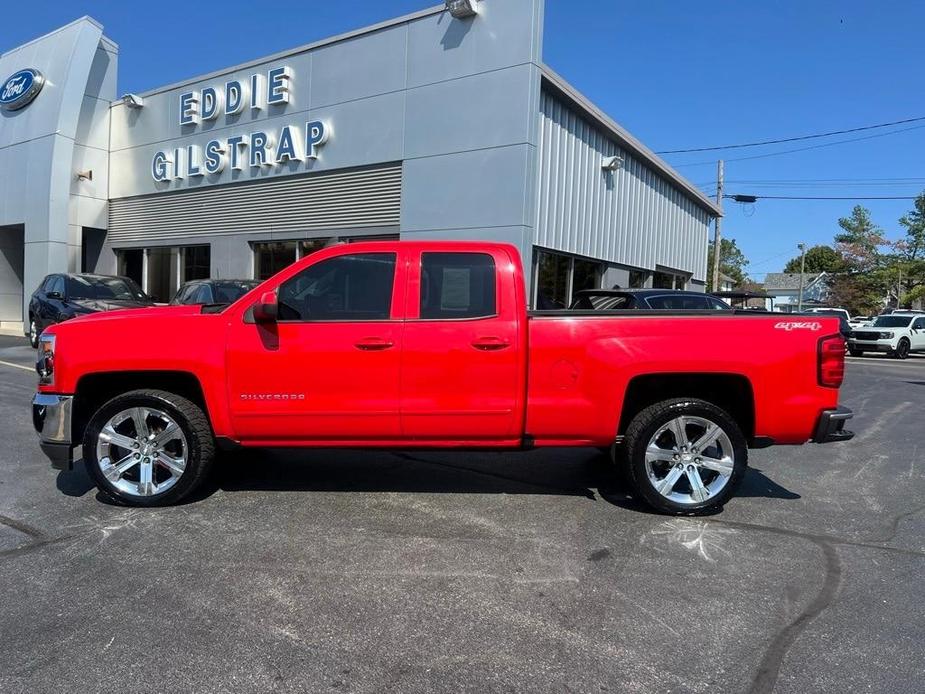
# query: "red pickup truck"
430 344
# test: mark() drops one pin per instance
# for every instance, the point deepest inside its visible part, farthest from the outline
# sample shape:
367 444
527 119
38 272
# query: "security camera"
612 163
133 101
460 9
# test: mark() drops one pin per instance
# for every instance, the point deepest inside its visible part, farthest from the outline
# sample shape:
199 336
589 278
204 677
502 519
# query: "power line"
794 139
844 197
802 149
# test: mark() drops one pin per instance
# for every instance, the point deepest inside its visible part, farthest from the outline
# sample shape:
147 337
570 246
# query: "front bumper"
51 417
870 346
831 426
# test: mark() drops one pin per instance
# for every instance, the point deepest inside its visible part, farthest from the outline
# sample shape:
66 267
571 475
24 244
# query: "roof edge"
627 140
436 9
86 19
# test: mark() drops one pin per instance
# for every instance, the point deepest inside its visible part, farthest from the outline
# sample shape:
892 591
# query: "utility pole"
802 247
718 237
899 287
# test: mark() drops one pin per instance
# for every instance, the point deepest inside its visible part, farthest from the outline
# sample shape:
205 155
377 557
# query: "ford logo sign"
20 88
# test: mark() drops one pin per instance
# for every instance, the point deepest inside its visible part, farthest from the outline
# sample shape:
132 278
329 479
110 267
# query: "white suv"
897 334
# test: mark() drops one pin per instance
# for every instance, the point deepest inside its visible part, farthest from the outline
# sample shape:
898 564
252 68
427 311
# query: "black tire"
195 427
902 349
647 423
33 332
855 352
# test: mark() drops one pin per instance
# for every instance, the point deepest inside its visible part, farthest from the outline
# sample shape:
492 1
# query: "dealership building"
442 124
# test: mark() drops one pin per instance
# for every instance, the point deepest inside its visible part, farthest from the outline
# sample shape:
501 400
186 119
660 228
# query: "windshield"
893 321
111 288
229 292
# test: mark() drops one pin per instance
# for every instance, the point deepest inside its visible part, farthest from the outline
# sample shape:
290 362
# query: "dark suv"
646 300
63 296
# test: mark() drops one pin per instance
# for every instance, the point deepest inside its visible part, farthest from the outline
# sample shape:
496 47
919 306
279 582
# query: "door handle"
490 344
374 344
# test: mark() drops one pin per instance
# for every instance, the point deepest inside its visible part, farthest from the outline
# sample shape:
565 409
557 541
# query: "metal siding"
352 199
637 218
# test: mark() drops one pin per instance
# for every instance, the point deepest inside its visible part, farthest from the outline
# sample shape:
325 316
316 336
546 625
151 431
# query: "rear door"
462 357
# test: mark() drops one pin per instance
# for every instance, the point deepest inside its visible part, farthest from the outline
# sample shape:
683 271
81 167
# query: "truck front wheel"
148 448
685 456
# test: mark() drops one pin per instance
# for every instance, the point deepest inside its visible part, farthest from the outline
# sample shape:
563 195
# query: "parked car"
646 299
61 297
830 311
429 344
897 334
844 326
859 321
212 291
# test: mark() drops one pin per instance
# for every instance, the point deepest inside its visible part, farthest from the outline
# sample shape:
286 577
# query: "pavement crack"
769 667
34 533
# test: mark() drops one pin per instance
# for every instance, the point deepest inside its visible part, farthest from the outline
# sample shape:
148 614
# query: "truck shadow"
564 472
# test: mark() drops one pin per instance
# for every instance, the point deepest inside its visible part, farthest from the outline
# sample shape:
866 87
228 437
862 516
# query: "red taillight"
831 361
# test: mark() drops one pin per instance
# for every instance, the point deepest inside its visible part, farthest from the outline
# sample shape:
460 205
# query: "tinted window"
203 295
679 302
919 323
457 285
892 321
602 302
47 282
348 287
90 287
182 293
717 304
229 292
57 285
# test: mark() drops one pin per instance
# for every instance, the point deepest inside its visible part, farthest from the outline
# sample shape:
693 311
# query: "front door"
462 357
328 370
918 333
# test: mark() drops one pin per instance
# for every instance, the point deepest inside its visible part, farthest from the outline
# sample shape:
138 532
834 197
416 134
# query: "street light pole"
718 237
802 247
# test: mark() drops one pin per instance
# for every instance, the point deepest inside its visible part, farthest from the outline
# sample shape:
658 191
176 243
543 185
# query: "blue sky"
676 74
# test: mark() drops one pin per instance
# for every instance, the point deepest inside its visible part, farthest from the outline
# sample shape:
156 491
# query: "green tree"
910 254
732 262
819 259
860 240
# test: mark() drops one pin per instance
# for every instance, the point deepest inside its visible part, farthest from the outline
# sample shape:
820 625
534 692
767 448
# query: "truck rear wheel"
685 456
148 448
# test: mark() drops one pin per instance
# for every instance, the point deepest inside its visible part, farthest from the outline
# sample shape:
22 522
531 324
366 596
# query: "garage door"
369 197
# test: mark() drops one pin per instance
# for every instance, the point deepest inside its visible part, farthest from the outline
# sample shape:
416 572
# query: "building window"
197 263
270 258
668 280
556 278
638 279
131 264
586 274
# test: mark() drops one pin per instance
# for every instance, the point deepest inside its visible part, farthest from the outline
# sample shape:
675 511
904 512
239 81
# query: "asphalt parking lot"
349 571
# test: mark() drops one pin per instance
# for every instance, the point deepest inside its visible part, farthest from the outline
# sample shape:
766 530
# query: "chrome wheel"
689 460
142 451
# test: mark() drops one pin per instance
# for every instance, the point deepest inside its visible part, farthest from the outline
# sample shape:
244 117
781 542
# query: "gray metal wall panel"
342 200
632 216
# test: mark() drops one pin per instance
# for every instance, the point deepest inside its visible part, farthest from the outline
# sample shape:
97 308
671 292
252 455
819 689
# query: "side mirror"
267 309
55 295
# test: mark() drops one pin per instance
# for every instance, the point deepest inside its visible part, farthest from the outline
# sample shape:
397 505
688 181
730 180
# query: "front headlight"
886 336
45 362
